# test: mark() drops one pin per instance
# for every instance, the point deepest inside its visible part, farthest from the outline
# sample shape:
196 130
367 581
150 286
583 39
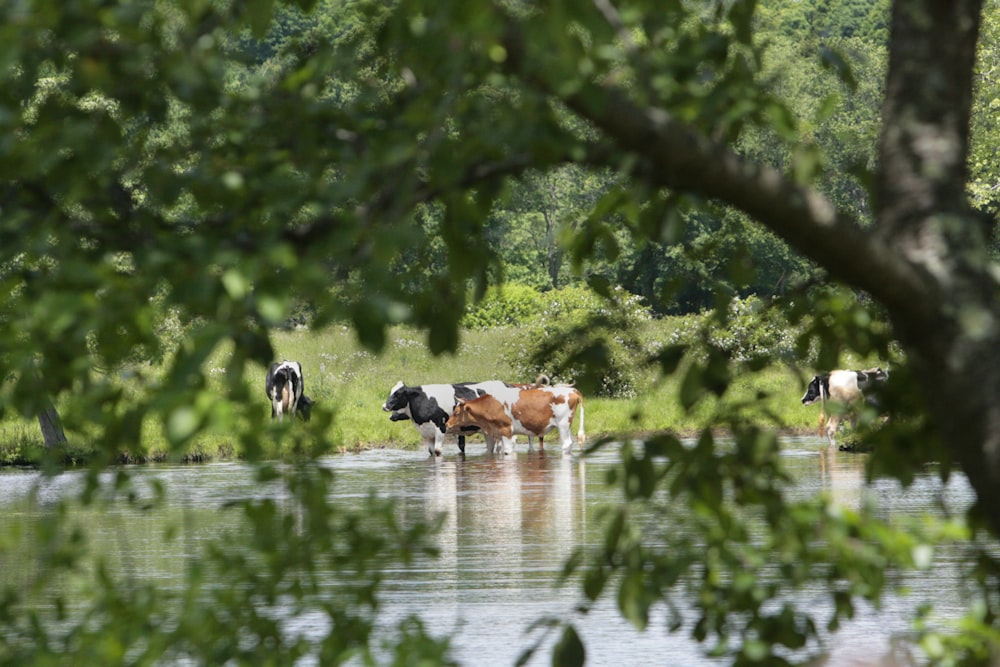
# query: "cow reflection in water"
842 477
441 501
528 506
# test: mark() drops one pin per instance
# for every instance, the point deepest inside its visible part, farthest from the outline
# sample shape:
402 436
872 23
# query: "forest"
825 60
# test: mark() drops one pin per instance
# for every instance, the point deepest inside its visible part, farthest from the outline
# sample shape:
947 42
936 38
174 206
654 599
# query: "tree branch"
678 157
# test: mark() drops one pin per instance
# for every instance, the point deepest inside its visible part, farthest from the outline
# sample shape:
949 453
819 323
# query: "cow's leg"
565 436
286 399
531 443
832 422
461 443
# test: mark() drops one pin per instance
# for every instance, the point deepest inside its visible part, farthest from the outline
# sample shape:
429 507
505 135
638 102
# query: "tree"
151 166
538 207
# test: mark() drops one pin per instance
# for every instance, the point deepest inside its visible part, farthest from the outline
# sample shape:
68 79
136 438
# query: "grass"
350 384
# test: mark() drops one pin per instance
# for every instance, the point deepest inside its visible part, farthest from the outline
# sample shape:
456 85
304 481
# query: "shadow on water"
509 523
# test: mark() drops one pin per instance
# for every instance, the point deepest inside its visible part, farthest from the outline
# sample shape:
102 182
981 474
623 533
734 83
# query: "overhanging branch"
677 157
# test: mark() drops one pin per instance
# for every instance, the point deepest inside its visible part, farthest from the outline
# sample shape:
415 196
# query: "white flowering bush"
750 331
753 331
582 337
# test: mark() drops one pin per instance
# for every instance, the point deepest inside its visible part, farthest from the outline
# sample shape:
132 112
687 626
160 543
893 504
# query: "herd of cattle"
500 411
496 409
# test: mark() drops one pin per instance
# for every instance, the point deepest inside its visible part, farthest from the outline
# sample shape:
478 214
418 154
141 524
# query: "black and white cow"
846 388
285 386
430 406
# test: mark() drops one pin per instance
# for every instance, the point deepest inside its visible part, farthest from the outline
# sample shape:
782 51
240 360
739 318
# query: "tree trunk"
553 256
924 216
52 430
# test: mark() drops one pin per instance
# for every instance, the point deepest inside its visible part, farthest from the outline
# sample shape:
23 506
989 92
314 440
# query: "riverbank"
349 385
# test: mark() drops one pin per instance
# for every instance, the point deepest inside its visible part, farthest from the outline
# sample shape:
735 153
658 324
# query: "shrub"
581 337
751 332
510 305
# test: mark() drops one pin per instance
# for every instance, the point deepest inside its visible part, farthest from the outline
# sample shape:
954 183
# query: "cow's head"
399 398
305 407
817 389
460 417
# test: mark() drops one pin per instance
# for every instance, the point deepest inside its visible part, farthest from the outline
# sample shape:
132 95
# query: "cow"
285 386
845 388
430 405
531 411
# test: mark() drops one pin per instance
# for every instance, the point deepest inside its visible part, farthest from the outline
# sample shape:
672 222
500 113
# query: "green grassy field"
350 384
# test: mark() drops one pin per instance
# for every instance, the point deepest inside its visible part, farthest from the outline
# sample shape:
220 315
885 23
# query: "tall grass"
350 384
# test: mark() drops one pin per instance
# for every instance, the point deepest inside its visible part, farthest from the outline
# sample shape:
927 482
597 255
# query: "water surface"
510 522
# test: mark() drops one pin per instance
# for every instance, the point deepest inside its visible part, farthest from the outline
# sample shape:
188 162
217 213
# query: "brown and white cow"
845 389
531 411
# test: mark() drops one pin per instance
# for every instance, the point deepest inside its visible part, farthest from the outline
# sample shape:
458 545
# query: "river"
510 523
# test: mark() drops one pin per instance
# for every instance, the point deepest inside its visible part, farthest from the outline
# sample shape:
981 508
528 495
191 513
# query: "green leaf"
569 650
670 357
741 18
836 62
827 108
236 284
717 375
182 423
632 600
259 13
640 478
692 386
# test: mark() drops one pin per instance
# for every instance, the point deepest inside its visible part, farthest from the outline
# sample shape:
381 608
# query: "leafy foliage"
290 551
758 548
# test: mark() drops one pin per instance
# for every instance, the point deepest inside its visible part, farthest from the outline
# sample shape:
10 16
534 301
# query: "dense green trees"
823 20
984 165
162 165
